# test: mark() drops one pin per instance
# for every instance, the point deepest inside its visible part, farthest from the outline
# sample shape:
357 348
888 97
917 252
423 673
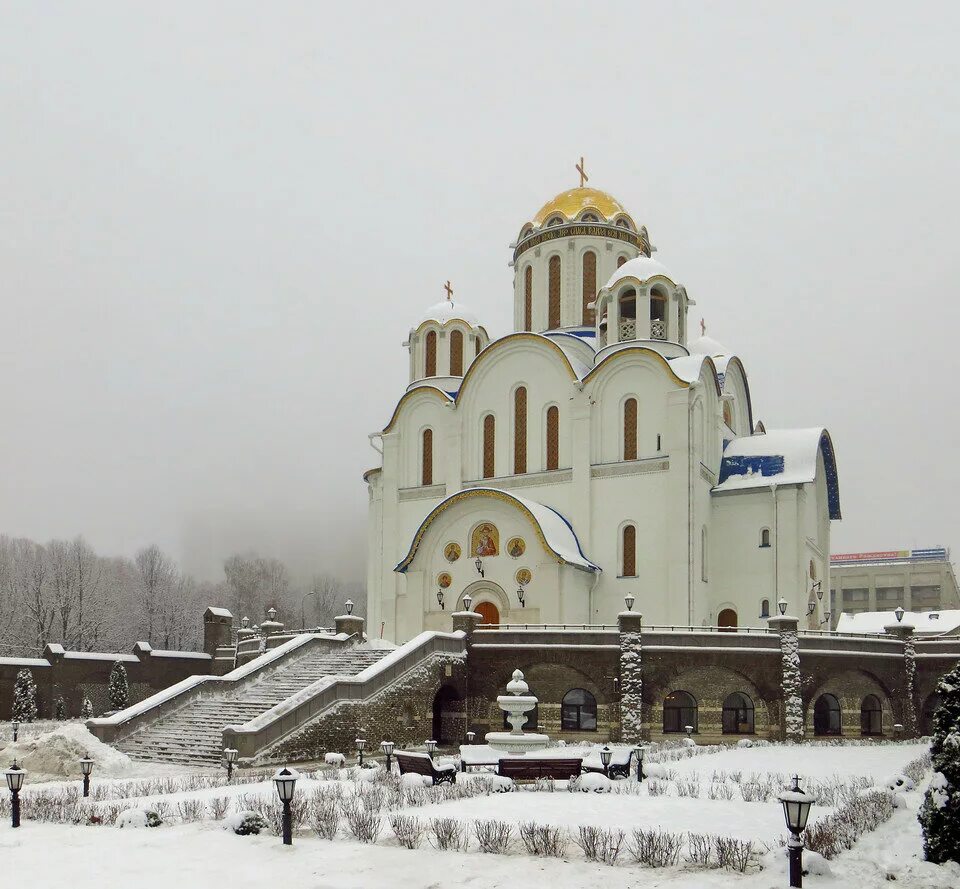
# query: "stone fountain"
515 705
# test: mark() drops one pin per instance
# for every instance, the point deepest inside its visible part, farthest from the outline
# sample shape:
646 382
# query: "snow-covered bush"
592 782
447 833
600 844
246 823
492 836
136 818
408 830
745 742
940 812
86 709
325 815
840 830
412 779
118 689
335 759
24 697
655 848
899 782
543 839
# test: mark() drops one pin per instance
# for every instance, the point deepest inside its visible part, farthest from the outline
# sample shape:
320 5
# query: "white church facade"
595 452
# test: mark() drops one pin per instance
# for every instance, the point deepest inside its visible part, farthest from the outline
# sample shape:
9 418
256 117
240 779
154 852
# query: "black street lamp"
272 613
349 606
899 612
605 756
230 756
796 810
629 599
15 776
782 606
470 737
639 751
440 599
520 599
361 746
286 781
16 728
467 602
431 746
689 730
86 767
387 748
479 566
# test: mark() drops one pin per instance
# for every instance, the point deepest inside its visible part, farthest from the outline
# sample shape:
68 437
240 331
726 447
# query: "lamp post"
15 776
467 602
899 612
272 613
431 746
520 598
286 781
470 737
689 730
440 599
782 606
826 617
629 599
244 621
16 728
86 767
230 755
479 566
639 751
361 746
796 810
349 606
387 748
897 731
605 756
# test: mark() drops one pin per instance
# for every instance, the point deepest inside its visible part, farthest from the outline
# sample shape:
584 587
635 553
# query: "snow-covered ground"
204 854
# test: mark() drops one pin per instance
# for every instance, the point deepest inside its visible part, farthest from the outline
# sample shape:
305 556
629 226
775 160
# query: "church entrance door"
488 612
727 619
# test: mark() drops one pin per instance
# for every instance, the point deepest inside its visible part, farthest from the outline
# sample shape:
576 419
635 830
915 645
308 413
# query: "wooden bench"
532 769
421 764
620 766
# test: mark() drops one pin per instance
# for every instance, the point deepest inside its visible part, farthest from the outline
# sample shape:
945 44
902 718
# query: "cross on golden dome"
582 170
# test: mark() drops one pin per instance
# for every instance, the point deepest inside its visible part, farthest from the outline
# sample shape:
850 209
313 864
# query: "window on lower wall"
578 711
737 716
826 716
871 716
679 711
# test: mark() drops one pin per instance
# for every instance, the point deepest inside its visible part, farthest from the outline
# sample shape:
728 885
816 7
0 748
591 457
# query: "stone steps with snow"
193 735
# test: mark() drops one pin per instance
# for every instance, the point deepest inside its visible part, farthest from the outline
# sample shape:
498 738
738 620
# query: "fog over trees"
63 591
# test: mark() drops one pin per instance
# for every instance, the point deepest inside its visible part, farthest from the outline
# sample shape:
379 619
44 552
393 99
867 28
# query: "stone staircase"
192 735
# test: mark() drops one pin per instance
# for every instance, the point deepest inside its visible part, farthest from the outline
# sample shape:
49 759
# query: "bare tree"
155 574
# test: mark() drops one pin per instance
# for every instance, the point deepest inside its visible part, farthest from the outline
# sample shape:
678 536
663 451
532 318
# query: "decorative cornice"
630 467
430 492
526 480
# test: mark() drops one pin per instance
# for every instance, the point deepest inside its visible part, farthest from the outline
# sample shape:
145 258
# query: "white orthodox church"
593 453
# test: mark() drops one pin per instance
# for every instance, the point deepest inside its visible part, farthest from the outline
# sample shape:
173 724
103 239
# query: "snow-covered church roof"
449 310
642 268
555 532
706 345
780 457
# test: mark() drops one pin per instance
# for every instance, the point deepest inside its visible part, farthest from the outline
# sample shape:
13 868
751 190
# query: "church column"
389 579
580 447
453 458
613 320
792 728
908 689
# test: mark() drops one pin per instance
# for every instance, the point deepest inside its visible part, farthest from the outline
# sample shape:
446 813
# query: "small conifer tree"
60 708
119 690
940 811
86 708
24 697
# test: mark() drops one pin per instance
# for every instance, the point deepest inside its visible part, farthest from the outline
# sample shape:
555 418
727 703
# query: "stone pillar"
630 624
349 624
466 622
904 632
791 727
217 629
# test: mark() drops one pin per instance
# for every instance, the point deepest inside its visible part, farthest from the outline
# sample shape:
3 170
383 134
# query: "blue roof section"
767 466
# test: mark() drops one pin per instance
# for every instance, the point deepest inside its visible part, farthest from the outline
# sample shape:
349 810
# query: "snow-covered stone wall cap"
216 611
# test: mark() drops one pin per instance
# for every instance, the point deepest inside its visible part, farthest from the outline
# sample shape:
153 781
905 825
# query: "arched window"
589 286
658 316
629 551
520 430
528 298
727 619
765 537
826 716
489 443
871 716
737 716
426 463
578 711
553 437
703 553
630 429
679 711
431 362
553 293
456 353
621 260
628 305
764 608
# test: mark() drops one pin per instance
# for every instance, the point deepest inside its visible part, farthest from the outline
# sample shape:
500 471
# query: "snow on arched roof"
780 457
448 310
554 531
642 268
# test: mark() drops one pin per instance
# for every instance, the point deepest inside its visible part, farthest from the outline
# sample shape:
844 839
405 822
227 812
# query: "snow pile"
56 754
899 782
137 818
335 759
592 782
245 823
412 779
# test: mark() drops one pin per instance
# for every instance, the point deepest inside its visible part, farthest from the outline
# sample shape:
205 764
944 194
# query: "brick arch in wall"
850 687
710 685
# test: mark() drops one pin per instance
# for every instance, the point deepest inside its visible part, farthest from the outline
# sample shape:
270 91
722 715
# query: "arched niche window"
520 430
489 445
426 458
622 223
628 304
658 315
871 716
704 561
456 353
589 286
553 293
589 217
826 716
621 260
630 430
764 608
578 711
727 414
553 437
629 554
556 220
528 298
679 711
431 354
764 538
737 715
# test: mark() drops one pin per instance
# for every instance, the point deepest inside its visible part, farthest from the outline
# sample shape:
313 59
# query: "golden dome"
571 204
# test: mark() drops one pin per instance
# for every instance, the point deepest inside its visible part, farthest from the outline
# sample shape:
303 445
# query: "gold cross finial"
582 170
703 327
449 290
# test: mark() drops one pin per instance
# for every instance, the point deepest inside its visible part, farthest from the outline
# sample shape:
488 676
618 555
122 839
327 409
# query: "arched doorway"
871 716
727 619
449 716
489 613
826 716
737 714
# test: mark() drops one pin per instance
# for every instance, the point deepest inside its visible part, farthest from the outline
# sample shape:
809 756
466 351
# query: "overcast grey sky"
219 219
